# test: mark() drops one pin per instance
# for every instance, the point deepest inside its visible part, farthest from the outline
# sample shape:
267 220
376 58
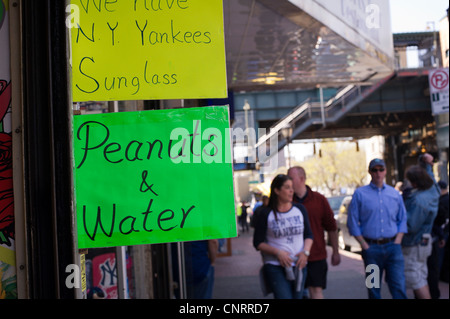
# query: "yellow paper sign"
147 49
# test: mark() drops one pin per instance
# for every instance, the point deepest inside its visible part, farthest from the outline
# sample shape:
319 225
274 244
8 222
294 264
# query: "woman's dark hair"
277 183
419 177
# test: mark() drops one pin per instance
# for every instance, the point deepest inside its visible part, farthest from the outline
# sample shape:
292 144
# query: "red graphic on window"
6 184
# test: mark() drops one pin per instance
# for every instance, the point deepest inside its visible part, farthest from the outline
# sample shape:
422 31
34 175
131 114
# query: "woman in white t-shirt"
284 237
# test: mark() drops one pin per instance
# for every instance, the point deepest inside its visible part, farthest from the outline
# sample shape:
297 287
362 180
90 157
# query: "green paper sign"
153 177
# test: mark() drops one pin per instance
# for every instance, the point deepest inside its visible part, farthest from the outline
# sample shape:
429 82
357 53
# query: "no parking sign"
438 80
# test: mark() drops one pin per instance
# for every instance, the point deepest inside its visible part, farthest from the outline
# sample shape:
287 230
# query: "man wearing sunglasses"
377 219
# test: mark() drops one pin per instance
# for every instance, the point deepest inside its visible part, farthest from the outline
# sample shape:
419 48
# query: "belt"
379 241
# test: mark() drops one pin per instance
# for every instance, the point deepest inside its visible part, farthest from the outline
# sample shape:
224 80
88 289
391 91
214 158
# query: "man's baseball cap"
376 162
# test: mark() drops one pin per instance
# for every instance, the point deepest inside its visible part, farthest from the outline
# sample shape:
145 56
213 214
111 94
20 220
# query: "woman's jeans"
282 288
387 257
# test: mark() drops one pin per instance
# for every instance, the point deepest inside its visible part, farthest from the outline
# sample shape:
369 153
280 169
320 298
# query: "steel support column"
51 244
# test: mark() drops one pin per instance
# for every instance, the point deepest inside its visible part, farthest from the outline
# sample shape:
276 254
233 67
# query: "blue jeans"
204 289
281 287
389 258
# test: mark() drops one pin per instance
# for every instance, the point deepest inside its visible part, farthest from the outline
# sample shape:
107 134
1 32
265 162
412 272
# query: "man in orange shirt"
321 218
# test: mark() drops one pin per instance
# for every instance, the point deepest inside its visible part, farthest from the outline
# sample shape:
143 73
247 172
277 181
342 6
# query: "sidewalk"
236 276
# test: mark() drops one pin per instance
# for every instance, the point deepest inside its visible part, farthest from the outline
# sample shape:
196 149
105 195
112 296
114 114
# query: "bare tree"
338 166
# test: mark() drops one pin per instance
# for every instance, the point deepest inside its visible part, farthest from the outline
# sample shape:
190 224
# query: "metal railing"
311 110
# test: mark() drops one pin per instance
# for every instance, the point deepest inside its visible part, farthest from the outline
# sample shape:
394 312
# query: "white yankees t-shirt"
285 233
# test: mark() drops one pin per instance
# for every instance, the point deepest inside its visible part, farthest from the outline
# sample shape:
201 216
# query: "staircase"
316 113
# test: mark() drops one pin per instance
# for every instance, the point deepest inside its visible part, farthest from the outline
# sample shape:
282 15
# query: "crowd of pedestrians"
402 233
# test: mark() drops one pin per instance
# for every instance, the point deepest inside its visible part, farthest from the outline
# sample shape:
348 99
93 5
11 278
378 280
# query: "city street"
236 276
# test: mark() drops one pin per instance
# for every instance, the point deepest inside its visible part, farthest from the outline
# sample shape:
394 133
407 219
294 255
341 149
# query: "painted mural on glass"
8 286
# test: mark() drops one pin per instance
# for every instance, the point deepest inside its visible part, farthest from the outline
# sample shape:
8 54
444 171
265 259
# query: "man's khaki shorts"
416 270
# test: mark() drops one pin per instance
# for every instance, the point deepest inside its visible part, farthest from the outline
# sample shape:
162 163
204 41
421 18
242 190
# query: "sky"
413 15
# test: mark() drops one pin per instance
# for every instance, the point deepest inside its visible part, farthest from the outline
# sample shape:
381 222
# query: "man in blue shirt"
377 219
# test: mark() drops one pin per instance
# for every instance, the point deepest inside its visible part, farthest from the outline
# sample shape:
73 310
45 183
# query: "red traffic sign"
439 80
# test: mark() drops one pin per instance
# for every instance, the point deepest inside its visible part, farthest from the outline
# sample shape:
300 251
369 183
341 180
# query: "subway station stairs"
321 113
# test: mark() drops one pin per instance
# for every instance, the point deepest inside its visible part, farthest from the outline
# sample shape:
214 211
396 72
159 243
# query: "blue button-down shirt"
376 212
